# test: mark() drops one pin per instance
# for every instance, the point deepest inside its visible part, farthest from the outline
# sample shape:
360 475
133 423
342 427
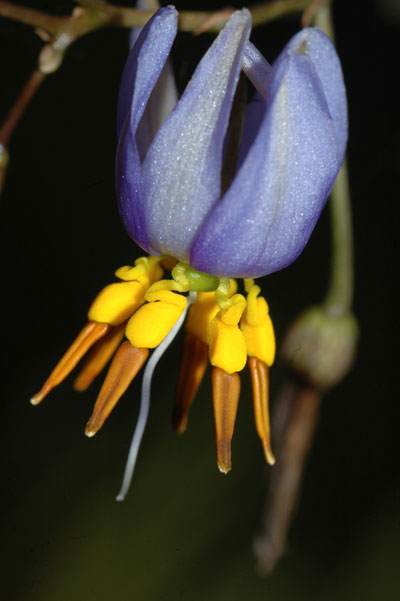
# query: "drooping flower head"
168 176
169 188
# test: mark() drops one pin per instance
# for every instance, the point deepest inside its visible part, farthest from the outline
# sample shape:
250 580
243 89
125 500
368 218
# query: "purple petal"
182 169
160 104
163 97
254 115
326 62
260 73
152 45
257 69
142 70
267 215
141 5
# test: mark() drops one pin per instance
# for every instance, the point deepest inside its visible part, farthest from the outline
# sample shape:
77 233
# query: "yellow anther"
128 273
257 308
233 310
203 311
152 322
117 302
166 296
248 284
227 342
257 328
222 293
145 267
227 346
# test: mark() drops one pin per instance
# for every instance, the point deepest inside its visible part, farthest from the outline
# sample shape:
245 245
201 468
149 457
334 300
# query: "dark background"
185 531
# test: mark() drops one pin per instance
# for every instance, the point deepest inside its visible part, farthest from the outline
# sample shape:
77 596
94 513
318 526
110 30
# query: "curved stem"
20 105
296 418
340 293
341 287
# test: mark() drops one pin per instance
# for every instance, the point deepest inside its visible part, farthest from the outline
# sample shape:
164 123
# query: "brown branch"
270 11
19 107
91 3
61 32
295 422
35 18
311 10
97 13
193 20
94 14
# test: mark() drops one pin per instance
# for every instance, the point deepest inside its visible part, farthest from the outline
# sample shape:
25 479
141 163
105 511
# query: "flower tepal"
266 216
170 201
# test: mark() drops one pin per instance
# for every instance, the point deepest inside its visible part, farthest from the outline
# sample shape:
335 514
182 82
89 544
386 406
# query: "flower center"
193 280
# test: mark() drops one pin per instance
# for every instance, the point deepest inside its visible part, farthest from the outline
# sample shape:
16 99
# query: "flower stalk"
17 110
61 32
340 293
14 116
319 349
294 425
120 16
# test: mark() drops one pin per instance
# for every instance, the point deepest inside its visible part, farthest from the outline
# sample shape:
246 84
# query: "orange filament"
226 391
90 334
99 357
193 365
125 365
260 383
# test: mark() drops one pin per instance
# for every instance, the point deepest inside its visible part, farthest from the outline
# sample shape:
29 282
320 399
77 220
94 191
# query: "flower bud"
320 347
50 59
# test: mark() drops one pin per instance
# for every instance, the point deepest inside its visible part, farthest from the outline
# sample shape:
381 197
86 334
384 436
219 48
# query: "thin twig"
50 23
300 406
120 16
311 11
340 294
61 32
341 288
270 11
91 3
19 107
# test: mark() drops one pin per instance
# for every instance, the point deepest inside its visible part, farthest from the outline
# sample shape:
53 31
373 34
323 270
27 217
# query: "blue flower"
168 176
168 187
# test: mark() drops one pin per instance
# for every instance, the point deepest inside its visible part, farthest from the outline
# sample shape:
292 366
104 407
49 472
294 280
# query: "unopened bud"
50 59
320 347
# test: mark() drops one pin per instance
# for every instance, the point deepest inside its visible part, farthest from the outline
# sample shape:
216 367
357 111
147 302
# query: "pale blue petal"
139 76
257 69
182 169
163 97
141 5
142 70
267 215
254 116
160 104
326 62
